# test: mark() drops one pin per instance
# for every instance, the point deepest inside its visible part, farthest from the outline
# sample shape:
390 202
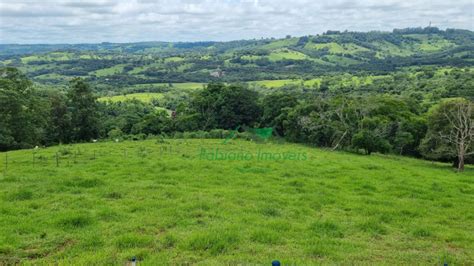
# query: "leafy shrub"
218 133
140 136
115 133
64 151
178 135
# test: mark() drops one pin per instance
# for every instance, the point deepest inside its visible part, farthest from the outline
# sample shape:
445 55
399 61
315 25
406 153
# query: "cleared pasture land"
165 201
142 96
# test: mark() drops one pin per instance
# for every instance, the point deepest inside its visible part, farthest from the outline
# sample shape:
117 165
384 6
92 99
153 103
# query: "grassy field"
170 202
275 83
142 96
336 48
285 54
188 85
53 56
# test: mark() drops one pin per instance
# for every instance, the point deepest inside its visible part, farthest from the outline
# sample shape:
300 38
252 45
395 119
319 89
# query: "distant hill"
248 60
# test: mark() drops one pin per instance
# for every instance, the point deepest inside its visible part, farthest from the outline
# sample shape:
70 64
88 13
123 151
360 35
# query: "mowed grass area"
165 204
142 96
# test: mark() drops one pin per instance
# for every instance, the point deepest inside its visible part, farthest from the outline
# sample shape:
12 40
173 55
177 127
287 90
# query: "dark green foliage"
154 123
374 123
370 142
22 112
323 116
275 110
222 106
84 111
60 128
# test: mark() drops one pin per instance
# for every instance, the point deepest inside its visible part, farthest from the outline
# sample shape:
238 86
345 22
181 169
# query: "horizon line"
236 40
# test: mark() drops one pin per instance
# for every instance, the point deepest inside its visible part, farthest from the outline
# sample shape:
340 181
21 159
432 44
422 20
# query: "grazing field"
188 85
336 48
144 97
285 54
168 201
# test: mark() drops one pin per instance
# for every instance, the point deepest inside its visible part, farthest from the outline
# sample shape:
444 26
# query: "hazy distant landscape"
117 67
319 148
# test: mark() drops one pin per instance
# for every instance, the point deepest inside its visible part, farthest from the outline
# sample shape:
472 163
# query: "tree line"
361 123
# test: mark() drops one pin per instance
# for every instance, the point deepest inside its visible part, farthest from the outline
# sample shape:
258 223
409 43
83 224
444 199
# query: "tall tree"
275 107
84 111
226 107
59 130
22 111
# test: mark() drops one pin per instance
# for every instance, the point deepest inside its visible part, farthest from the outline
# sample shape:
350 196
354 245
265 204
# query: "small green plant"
63 151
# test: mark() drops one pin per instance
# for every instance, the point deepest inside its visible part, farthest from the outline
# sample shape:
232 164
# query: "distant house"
218 73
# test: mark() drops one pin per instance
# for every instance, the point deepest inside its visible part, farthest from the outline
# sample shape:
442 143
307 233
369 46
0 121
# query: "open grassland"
183 85
188 85
285 54
53 56
165 203
144 97
336 48
429 43
346 80
278 55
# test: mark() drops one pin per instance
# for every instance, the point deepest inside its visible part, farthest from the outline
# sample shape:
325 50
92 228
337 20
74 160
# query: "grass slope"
142 96
117 69
162 202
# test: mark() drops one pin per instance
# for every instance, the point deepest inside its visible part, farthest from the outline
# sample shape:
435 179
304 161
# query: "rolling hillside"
114 66
175 202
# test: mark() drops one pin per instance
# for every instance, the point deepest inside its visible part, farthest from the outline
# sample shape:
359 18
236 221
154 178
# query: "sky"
93 21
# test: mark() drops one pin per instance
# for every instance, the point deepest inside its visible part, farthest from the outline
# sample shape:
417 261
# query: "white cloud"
66 21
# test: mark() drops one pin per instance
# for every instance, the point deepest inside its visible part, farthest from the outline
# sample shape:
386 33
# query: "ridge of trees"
399 124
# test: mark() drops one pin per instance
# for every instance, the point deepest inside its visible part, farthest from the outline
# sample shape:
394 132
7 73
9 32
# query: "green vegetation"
335 113
188 85
115 67
336 48
173 59
53 56
275 83
325 120
286 54
157 200
144 97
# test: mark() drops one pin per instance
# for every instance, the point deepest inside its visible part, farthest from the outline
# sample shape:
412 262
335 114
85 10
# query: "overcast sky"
65 21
